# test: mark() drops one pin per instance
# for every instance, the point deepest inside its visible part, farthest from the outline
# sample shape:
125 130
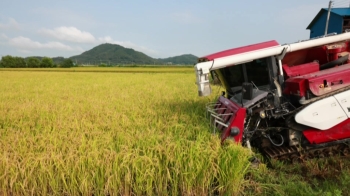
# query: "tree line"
32 62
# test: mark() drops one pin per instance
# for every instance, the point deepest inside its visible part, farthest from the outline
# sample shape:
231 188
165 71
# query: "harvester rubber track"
298 154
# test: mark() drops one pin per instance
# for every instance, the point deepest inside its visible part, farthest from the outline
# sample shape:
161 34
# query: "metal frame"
215 116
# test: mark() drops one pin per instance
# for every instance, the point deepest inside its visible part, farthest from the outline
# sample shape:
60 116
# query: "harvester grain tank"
290 101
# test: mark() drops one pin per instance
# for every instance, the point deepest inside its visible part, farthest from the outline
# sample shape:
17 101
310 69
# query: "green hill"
187 59
113 54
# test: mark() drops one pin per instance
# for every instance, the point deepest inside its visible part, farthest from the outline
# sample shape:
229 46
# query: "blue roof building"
339 21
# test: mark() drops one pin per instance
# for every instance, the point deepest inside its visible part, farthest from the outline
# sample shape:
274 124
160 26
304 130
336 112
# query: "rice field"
114 132
136 69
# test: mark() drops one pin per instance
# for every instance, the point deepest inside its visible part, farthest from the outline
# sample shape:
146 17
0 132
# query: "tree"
33 62
12 62
67 63
8 62
46 62
20 62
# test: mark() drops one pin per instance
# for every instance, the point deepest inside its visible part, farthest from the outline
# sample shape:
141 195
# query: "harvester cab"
290 101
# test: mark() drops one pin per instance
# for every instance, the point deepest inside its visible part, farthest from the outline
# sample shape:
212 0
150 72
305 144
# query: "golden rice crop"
82 133
136 69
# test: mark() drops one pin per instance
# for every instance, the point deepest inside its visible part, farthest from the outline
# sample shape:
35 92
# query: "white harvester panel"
322 114
344 101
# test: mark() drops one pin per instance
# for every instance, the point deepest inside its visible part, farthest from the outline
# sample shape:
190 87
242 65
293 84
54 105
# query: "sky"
158 28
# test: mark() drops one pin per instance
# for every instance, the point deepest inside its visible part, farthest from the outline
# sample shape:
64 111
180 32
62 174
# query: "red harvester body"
290 101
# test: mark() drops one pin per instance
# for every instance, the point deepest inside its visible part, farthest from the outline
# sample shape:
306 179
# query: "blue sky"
158 28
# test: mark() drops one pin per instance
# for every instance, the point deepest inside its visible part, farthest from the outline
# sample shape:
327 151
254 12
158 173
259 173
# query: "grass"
82 133
327 176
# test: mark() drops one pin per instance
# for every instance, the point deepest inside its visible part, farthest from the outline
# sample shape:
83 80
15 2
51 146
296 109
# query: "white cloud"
71 34
10 24
3 36
26 44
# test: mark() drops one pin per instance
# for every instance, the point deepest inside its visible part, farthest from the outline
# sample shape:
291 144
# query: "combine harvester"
292 102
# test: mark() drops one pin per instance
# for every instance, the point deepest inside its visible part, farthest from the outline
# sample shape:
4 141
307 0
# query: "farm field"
136 69
139 132
82 133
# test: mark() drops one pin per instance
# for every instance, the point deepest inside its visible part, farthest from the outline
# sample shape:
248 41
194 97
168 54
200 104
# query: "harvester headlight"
234 131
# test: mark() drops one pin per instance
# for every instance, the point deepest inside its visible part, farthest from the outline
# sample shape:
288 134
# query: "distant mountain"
113 54
187 59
